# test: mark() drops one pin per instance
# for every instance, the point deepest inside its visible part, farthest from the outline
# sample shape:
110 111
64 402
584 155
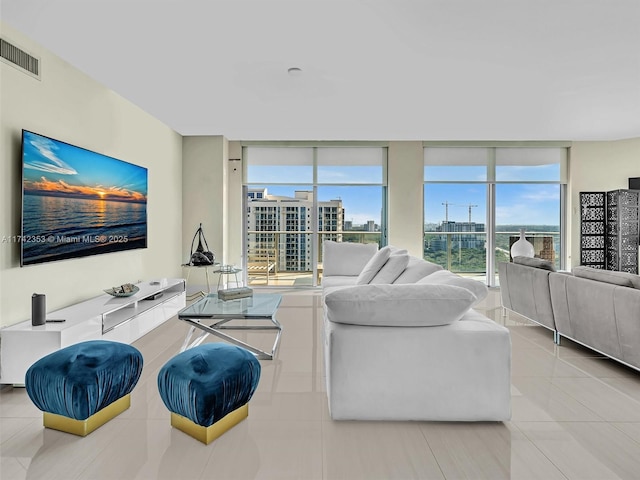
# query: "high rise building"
278 226
459 241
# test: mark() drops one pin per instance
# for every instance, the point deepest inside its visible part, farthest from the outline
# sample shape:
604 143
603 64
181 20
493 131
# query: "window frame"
491 149
316 147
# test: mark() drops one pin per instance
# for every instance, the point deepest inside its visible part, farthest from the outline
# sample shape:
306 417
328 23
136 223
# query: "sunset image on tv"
77 202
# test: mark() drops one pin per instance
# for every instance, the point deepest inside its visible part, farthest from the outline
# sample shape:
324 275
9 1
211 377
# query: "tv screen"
77 203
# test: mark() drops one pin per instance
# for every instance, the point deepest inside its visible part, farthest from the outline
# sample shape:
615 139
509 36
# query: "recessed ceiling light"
294 71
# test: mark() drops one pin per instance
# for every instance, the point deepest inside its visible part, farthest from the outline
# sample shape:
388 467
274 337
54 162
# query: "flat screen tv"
77 203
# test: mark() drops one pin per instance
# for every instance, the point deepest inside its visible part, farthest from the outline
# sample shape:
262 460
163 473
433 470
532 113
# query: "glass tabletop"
227 269
260 305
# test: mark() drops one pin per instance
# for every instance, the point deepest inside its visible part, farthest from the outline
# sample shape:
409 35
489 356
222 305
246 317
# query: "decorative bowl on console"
125 290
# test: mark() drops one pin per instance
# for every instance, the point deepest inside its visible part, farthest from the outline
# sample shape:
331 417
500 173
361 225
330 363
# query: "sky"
516 204
361 203
52 167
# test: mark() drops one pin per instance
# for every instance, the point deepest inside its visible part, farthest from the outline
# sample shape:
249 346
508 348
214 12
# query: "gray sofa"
524 287
599 309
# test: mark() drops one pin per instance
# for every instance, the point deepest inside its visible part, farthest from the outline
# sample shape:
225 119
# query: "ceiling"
371 70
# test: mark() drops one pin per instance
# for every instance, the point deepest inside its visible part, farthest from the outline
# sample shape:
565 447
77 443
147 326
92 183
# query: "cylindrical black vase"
38 309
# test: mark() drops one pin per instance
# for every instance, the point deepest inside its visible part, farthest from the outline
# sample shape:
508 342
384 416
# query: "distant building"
458 241
271 213
370 226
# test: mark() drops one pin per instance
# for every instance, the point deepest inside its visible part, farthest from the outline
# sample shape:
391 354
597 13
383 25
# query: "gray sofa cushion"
621 279
535 262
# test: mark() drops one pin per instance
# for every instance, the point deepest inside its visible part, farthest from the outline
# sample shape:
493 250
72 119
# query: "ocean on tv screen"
78 203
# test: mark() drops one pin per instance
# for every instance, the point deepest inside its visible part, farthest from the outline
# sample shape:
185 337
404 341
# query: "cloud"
49 162
61 187
541 194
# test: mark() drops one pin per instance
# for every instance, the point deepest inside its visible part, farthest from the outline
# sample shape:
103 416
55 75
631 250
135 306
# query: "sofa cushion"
416 269
373 266
622 279
409 305
445 277
346 258
535 262
338 281
392 268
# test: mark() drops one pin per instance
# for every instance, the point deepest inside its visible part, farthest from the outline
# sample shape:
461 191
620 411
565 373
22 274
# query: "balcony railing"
279 258
465 252
269 260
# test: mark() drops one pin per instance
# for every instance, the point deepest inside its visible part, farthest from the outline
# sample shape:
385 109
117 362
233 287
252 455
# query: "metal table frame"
220 320
227 270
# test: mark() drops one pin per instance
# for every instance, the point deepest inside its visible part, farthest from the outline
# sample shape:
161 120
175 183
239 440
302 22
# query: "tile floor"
576 415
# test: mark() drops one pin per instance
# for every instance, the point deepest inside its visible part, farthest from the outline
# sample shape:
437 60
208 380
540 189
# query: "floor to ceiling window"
476 200
297 197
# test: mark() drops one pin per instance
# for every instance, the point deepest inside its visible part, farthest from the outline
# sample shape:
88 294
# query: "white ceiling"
372 70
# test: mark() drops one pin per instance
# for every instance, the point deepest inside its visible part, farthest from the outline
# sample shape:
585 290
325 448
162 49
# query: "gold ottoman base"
208 434
85 427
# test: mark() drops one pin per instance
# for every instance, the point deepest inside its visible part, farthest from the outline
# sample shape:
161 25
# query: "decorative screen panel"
622 226
592 229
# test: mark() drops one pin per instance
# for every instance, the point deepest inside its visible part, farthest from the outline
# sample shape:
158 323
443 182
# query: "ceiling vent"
20 59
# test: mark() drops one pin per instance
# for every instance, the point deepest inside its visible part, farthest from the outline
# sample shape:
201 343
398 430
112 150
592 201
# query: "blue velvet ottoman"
81 387
207 388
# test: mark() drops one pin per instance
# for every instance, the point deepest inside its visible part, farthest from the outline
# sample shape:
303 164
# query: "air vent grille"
19 58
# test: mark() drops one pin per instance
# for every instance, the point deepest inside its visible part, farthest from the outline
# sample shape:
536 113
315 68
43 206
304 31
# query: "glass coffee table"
211 315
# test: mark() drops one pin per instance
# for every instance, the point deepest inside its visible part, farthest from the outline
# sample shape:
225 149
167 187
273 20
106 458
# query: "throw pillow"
417 269
445 277
409 305
373 266
346 258
622 279
391 269
535 262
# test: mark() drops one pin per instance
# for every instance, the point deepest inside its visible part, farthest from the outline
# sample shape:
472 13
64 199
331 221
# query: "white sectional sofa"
402 342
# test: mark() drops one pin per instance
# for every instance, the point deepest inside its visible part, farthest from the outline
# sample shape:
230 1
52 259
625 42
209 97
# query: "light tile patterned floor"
576 415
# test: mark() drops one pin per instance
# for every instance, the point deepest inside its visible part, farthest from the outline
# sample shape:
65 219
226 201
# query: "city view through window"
477 199
289 215
330 194
281 224
456 231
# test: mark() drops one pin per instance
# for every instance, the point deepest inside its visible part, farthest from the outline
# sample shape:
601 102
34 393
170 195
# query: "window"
317 193
476 199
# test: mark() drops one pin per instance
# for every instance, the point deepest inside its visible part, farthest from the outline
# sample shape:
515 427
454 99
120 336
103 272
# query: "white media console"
121 319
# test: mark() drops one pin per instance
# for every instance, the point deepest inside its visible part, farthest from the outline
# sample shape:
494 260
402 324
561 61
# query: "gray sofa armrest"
585 310
627 310
525 290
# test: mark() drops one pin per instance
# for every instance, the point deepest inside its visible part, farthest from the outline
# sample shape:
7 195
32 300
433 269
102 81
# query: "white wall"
204 199
598 167
237 216
67 105
405 178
